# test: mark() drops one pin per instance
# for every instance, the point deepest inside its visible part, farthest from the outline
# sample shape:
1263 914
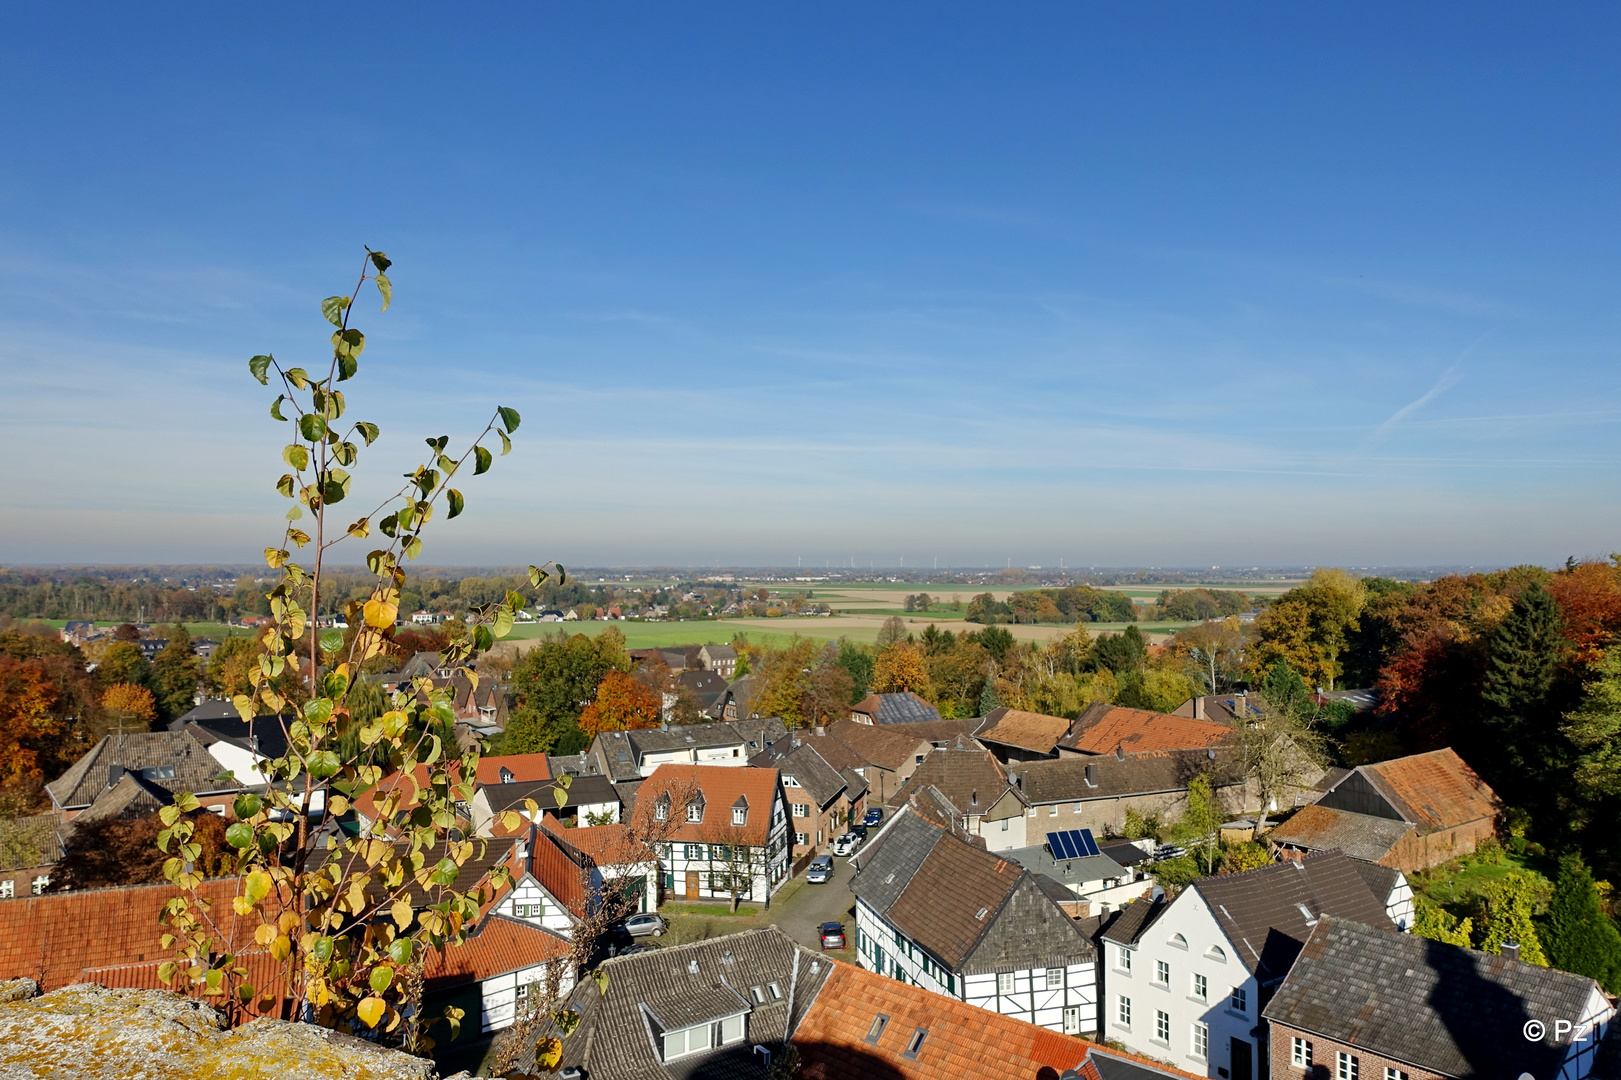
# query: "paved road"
801 915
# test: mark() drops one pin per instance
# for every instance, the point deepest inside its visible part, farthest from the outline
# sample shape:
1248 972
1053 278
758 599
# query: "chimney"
1091 776
820 730
1198 708
115 773
1120 752
1511 949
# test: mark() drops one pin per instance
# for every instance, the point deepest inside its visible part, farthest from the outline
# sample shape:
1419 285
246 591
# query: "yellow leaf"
371 1010
281 948
402 915
548 1053
337 805
257 887
381 614
241 905
265 934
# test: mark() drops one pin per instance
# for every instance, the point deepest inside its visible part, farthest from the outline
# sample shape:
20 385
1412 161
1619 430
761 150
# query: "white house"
627 756
1184 980
727 830
935 911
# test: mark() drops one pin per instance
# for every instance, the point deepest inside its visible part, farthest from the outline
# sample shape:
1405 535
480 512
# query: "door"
692 884
1072 1020
1242 1067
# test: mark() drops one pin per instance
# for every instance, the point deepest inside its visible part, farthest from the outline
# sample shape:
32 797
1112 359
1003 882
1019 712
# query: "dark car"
820 870
832 935
874 817
859 832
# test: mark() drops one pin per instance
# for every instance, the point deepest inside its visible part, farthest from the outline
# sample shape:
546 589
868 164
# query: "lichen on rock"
88 1032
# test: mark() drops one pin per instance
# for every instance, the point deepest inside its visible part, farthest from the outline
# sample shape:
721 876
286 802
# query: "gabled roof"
1132 921
879 746
1440 1007
1039 860
1104 728
718 786
521 766
1107 1063
719 652
582 791
496 946
1380 880
689 984
895 708
1322 828
1434 790
1065 779
265 736
1026 730
962 1041
195 769
132 796
940 731
804 763
891 859
927 803
1267 914
600 845
971 779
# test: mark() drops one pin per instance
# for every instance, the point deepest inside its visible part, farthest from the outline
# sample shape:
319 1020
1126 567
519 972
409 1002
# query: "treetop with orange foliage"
621 704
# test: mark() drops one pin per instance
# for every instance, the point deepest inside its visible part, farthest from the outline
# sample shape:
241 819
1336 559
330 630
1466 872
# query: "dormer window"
740 811
695 809
661 808
506 775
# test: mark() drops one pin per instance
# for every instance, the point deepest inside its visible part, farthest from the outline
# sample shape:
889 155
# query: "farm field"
212 630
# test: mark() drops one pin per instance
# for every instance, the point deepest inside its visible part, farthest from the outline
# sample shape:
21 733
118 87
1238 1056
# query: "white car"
846 844
821 869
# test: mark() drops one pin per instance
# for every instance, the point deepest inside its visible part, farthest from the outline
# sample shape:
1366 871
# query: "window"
1072 1020
1122 1011
801 838
530 911
1179 941
1125 958
1052 811
900 939
731 1029
919 759
1004 824
1055 978
879 1022
40 884
758 994
1346 1066
774 990
740 815
915 1043
158 772
7 890
1300 1052
1216 952
692 851
1201 1039
1162 973
1077 808
1032 811
1201 988
1240 999
695 811
686 1041
801 809
1393 1073
1004 982
661 809
1162 1026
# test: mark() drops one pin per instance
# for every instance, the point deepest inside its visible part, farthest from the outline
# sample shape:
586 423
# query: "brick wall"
1414 852
1369 1066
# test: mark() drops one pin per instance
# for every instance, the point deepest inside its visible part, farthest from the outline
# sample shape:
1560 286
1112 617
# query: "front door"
1072 1020
1242 1067
692 884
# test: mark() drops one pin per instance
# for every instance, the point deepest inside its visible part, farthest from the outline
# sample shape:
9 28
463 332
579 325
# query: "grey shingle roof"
891 858
1038 860
614 1039
896 708
806 765
621 751
1268 913
1447 1009
195 769
1131 921
1064 779
879 746
582 791
1380 880
971 779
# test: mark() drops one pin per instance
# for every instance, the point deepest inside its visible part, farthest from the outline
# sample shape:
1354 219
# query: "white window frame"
1240 1000
1201 988
1199 1040
1300 1052
801 810
695 812
1346 1066
1162 973
1004 982
1162 1027
1055 978
1122 1011
8 889
740 815
40 884
1124 959
1393 1073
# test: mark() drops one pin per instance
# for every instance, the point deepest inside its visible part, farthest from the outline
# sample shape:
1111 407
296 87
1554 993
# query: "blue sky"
1174 285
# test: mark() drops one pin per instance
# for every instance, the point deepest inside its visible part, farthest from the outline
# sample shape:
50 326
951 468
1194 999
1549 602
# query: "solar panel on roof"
1072 844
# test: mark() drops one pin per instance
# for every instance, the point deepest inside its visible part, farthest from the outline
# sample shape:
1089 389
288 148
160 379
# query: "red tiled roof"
1138 730
604 845
498 946
963 1042
1436 790
523 767
1090 1069
721 787
1026 730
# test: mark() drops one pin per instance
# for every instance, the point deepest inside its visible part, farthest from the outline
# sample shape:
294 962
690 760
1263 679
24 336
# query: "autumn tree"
176 671
123 662
1510 903
1310 626
621 704
129 707
1200 822
1284 754
826 695
29 724
1593 730
552 683
1431 920
1212 650
900 668
893 630
116 851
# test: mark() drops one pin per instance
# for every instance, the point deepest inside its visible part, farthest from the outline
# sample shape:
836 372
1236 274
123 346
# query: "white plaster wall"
528 893
500 993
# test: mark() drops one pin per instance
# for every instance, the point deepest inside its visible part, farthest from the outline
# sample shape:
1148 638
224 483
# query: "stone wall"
93 1033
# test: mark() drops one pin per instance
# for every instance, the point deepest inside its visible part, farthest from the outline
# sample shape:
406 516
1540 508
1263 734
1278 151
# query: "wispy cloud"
1449 378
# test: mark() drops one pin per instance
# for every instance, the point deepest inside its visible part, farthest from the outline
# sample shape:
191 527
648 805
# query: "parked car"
645 924
832 935
859 832
821 868
874 816
846 844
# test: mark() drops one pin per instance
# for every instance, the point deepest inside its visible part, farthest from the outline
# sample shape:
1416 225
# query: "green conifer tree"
1510 901
1520 748
176 671
988 699
1431 920
1581 938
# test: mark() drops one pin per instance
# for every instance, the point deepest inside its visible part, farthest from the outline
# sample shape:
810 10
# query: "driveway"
801 915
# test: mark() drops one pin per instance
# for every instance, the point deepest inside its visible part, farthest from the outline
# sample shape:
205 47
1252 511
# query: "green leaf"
275 410
347 366
379 260
239 835
413 547
294 512
386 288
247 805
482 638
506 443
285 485
296 456
562 575
323 763
169 814
345 453
368 429
258 366
509 417
298 377
349 342
381 978
444 873
333 308
503 623
399 950
481 460
331 641
389 526
322 949
312 427
455 498
447 465
536 576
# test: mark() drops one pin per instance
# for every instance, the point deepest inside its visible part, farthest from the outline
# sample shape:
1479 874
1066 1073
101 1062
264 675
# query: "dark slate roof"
890 859
896 708
1380 880
1123 852
582 791
621 751
1029 931
1268 913
1129 923
855 785
1039 860
1440 1007
614 1038
971 779
880 746
266 737
1064 779
196 770
1322 828
805 764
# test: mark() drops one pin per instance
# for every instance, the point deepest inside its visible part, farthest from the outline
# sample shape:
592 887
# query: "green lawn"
1453 885
639 635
